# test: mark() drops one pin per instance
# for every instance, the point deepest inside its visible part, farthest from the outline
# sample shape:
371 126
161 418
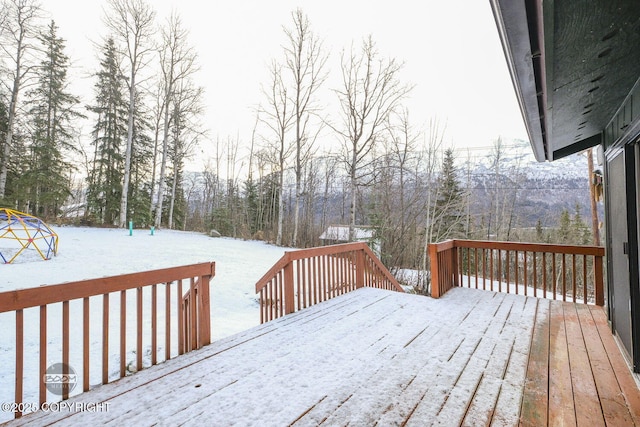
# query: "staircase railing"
306 277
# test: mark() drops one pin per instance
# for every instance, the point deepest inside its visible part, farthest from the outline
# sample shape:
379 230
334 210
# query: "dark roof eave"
516 42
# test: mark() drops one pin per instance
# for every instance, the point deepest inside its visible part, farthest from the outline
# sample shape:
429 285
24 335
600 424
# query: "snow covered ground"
86 253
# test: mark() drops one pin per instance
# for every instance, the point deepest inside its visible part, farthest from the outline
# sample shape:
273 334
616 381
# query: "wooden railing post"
454 266
599 279
360 269
289 303
435 273
205 307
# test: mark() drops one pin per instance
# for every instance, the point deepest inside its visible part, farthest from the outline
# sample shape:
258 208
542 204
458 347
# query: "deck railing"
306 277
186 319
561 272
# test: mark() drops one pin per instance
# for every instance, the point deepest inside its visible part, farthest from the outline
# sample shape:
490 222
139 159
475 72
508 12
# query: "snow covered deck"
373 356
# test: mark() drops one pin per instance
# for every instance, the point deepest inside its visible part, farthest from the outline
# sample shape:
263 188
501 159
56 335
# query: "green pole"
130 228
152 229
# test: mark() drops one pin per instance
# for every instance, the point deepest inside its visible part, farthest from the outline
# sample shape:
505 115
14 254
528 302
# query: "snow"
365 356
86 253
278 355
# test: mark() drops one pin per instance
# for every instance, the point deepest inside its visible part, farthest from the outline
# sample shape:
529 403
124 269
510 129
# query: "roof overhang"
573 63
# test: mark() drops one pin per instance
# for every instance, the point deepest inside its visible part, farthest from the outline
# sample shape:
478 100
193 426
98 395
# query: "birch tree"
19 27
371 90
305 59
132 23
278 116
177 63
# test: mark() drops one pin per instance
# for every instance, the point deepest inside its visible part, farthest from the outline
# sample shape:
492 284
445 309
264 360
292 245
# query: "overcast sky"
451 51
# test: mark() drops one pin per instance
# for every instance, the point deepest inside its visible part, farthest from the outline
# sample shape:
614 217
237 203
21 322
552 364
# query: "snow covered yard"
86 253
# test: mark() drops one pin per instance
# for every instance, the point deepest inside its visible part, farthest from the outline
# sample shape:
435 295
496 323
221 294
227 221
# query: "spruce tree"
52 110
449 201
139 206
109 135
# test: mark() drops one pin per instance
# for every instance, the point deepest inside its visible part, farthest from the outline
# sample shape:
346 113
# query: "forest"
285 185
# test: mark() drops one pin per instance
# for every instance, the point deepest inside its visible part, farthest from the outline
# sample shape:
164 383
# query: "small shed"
335 234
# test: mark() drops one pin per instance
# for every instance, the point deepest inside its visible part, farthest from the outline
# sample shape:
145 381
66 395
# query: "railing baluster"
105 338
535 274
85 344
516 268
65 347
139 329
524 273
506 261
499 269
564 278
491 267
544 275
180 318
19 360
484 269
300 284
573 276
154 324
167 324
555 277
123 332
584 275
42 392
476 260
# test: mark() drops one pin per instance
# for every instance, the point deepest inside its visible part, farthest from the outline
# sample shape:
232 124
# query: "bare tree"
158 110
177 63
18 28
279 118
305 59
431 151
371 91
401 205
132 22
504 194
187 109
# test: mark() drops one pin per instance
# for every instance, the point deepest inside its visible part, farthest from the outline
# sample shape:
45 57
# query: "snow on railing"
306 277
559 272
81 319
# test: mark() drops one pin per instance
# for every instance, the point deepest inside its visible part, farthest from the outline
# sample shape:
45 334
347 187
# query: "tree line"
285 185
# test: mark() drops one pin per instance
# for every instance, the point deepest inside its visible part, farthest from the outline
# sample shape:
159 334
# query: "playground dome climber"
20 231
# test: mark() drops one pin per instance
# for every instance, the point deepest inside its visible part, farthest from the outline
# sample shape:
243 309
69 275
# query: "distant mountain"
536 190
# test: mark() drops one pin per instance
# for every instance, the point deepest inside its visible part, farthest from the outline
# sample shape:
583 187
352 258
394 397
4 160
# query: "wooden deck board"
628 386
535 401
508 406
585 394
614 410
373 357
561 408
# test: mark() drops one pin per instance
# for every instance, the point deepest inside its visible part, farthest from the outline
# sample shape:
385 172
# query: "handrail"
304 277
190 335
538 269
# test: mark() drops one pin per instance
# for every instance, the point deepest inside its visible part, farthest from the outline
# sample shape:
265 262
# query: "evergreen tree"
139 206
450 201
109 134
564 231
51 114
580 230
